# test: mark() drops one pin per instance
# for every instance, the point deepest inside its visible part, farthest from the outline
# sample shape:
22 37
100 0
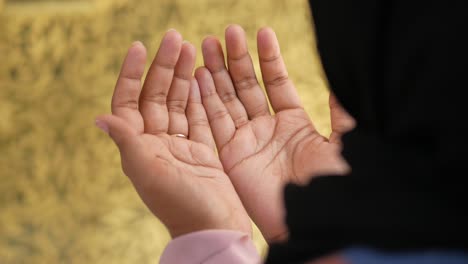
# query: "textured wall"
63 197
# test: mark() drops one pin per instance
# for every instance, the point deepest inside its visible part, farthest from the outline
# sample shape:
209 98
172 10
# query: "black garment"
399 67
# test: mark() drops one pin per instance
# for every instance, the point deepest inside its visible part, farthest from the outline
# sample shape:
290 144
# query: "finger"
199 128
220 121
121 132
127 90
281 91
158 80
341 121
214 61
127 140
179 91
243 74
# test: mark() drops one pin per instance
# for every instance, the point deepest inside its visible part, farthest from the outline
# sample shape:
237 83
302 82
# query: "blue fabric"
370 256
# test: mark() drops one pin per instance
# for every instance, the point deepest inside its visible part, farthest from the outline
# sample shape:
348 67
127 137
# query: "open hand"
181 181
259 151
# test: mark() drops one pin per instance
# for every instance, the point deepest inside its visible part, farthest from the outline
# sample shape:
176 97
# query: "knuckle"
182 77
130 103
177 106
218 114
239 57
246 83
196 115
258 110
209 92
228 96
273 58
280 80
219 71
155 98
194 106
199 121
168 65
240 121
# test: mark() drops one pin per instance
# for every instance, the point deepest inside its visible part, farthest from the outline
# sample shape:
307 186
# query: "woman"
404 195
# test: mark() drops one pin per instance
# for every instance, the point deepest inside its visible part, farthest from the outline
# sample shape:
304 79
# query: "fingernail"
171 29
103 126
185 42
137 42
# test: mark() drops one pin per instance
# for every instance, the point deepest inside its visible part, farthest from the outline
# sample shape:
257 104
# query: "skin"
261 151
182 181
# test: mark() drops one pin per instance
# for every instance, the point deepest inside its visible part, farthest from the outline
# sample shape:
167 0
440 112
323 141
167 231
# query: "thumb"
341 121
120 132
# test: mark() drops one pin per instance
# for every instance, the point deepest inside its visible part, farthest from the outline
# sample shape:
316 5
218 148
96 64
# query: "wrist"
234 221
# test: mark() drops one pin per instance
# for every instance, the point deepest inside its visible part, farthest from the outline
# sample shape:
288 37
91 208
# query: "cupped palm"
262 152
181 180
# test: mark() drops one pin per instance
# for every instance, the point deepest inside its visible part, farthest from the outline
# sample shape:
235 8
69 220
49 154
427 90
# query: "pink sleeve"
210 247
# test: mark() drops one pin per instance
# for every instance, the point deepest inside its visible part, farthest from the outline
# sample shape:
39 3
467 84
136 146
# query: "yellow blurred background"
63 197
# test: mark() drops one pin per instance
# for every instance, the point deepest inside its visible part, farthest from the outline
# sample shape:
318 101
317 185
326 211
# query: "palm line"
263 149
256 152
171 163
287 142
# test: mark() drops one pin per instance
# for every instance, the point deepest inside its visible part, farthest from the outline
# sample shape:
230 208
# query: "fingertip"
236 42
267 42
199 72
116 128
209 39
137 52
194 91
137 43
193 83
234 29
105 119
265 32
138 46
100 122
189 50
169 49
213 55
188 45
209 44
205 81
186 62
172 40
173 34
